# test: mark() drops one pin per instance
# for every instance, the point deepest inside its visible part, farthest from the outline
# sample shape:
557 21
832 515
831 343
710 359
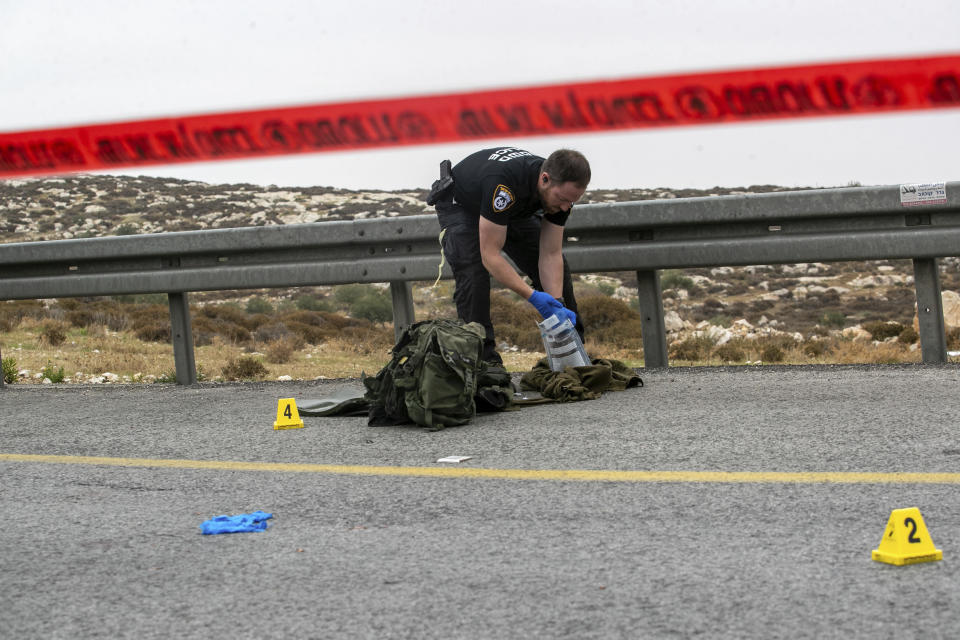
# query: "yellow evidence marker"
287 415
906 540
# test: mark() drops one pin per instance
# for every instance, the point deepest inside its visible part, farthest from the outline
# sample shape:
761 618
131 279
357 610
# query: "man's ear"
544 178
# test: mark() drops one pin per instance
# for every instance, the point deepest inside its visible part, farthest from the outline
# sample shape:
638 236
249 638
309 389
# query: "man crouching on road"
512 201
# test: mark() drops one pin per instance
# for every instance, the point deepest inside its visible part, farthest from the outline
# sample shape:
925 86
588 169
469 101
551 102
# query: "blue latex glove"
546 304
568 314
256 521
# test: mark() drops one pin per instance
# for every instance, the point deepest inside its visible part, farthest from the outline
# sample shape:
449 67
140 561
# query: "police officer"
507 199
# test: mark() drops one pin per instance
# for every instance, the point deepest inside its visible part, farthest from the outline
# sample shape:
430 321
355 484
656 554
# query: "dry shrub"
337 320
53 334
815 348
515 321
155 332
693 349
881 330
254 321
772 353
611 322
280 351
226 329
80 317
864 352
312 318
953 339
223 312
370 338
151 323
87 312
272 332
730 352
244 368
909 335
14 311
775 348
308 332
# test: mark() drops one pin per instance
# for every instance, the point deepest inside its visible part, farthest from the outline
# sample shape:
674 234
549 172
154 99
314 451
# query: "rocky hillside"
89 206
722 303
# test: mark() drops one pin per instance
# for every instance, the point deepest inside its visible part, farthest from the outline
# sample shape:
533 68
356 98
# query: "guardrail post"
401 294
181 334
1 373
651 312
933 338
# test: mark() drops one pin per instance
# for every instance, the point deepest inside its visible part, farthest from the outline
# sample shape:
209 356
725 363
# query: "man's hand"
568 314
548 306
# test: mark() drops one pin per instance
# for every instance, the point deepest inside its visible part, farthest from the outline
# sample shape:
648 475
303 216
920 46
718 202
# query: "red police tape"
862 87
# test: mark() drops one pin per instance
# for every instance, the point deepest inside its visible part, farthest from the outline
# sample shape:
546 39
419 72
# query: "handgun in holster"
442 189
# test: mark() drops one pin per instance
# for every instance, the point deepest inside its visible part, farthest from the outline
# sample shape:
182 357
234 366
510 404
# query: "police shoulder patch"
502 198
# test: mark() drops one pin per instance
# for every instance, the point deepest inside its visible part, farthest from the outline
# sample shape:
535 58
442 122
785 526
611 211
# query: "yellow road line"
568 475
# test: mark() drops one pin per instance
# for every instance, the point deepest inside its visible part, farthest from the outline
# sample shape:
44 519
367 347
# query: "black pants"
461 247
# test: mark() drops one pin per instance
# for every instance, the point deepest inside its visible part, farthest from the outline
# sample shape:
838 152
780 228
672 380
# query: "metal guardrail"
861 223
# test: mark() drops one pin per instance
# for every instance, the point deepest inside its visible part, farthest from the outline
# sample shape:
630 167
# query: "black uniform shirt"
501 185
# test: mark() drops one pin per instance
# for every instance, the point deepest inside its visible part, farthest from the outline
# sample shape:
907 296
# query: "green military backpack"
433 376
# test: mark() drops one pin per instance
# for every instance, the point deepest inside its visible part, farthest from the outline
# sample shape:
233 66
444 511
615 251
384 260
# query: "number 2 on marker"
910 522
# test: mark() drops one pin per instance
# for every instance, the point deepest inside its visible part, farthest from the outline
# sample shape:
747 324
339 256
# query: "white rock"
47 381
672 321
752 269
718 334
783 293
721 271
951 308
284 379
800 293
110 377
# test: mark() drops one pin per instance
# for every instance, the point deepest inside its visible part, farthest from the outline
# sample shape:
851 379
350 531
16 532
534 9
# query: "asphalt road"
364 544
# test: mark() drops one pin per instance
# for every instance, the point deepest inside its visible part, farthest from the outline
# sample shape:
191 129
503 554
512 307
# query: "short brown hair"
567 165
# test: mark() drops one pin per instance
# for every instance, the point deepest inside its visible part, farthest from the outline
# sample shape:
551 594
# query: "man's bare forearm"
551 273
503 272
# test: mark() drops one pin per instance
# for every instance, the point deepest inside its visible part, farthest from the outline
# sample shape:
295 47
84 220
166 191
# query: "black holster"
442 189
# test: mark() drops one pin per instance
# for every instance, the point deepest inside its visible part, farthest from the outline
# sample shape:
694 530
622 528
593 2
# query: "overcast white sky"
68 62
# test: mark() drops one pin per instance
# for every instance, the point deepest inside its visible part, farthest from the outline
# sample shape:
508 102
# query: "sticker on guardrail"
847 88
912 195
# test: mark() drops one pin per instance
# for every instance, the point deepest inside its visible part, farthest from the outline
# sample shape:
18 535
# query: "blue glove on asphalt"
256 521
